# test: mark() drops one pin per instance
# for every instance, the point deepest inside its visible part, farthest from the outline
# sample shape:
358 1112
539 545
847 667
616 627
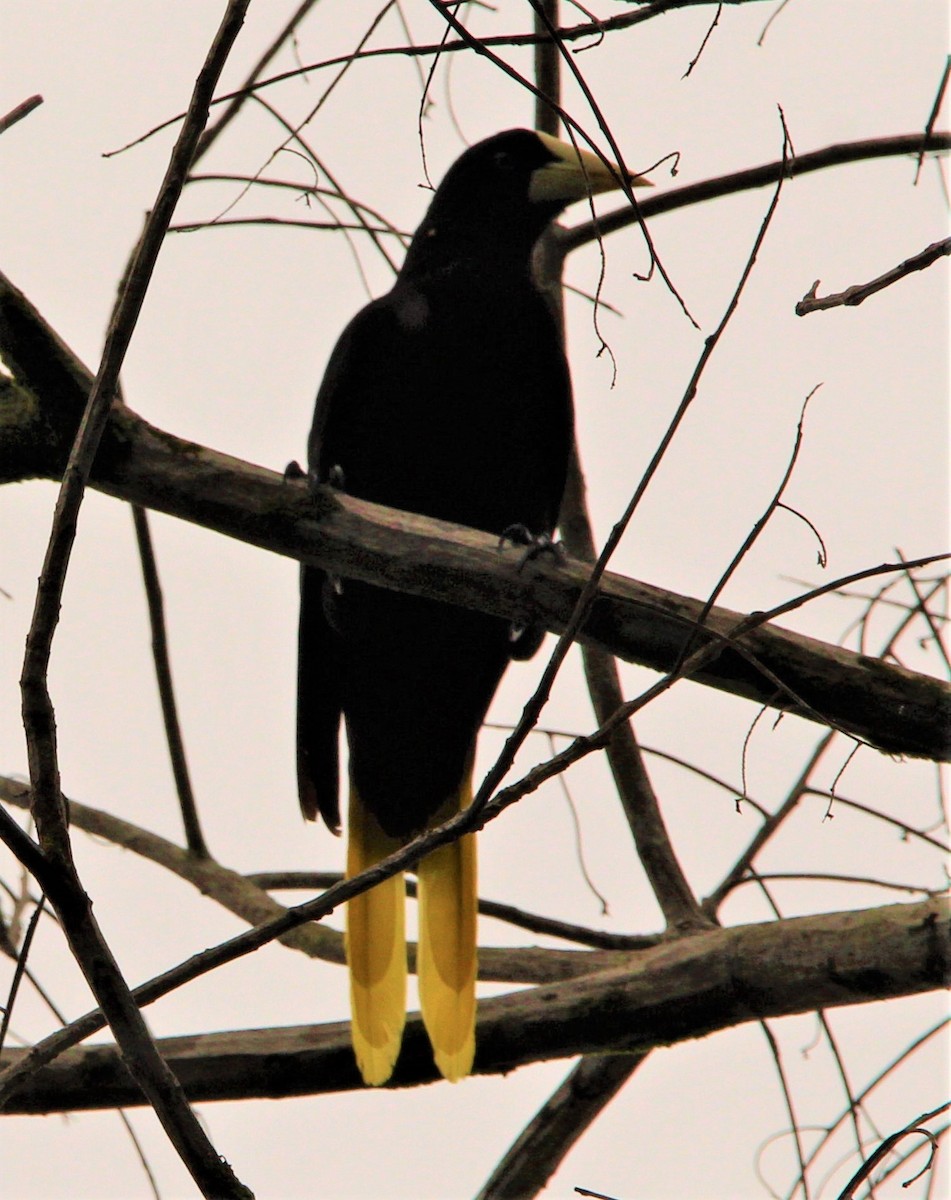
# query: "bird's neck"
474 258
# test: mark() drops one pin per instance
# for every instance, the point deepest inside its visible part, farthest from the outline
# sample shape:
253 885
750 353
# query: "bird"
450 397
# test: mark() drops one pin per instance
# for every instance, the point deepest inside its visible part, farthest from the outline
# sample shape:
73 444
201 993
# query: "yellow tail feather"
446 960
376 951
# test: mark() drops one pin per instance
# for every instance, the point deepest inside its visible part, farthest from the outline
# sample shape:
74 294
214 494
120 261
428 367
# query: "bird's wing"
319 702
357 371
318 705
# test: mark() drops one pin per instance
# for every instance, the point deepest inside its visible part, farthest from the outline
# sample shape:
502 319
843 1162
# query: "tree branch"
681 990
566 1116
861 291
895 709
251 902
753 177
58 877
174 738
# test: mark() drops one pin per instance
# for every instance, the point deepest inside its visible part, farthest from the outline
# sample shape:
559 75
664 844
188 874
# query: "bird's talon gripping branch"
415 395
535 544
516 535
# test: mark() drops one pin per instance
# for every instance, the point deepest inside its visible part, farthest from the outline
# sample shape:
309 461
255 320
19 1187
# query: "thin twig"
21 110
903 826
214 131
738 871
19 970
295 135
915 889
572 127
886 1147
761 522
921 606
829 1131
716 187
520 918
786 1090
933 116
595 27
247 898
859 292
638 801
163 676
589 592
703 45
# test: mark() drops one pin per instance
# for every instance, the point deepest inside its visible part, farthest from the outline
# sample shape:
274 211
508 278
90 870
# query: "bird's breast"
460 408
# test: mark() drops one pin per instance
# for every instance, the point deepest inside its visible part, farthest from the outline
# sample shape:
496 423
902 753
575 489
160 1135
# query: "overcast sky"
229 350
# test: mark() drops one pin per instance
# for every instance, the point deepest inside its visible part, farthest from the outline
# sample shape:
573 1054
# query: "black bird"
449 396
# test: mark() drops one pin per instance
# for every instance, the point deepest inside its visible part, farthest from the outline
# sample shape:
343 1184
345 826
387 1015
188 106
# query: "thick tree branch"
898 710
681 990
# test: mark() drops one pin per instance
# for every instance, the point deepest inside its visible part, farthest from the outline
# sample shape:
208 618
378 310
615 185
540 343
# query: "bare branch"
213 131
565 1116
886 1147
858 292
835 155
769 827
582 935
684 989
895 709
596 28
21 110
212 1175
933 115
248 899
163 675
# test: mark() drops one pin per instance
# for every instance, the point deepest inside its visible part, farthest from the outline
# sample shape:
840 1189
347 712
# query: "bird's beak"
574 174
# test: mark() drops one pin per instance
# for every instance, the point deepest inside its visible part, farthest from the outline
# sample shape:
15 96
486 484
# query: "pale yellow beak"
574 174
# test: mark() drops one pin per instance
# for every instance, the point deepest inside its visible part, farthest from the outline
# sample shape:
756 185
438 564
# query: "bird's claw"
536 544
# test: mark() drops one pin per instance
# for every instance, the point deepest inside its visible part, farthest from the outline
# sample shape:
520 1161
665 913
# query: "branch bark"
671 199
684 989
896 710
59 879
860 292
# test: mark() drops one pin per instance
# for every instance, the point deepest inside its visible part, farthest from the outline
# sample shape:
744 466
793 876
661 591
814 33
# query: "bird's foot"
335 477
536 544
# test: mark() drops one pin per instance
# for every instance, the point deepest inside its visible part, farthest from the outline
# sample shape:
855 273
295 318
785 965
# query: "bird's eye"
503 160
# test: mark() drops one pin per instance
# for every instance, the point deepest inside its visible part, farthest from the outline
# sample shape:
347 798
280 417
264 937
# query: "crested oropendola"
450 396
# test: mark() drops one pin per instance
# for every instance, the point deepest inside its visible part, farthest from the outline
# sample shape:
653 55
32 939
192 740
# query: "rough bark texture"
681 990
897 710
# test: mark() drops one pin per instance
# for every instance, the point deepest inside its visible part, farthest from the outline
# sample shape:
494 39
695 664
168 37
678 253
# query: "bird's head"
505 191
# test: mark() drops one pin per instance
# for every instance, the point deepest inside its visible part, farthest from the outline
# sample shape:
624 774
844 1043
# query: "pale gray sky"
229 351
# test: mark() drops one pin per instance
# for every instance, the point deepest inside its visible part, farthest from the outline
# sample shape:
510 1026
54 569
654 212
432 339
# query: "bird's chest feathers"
463 387
466 343
411 309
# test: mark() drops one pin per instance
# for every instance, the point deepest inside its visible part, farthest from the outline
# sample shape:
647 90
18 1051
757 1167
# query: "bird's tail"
376 950
446 961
